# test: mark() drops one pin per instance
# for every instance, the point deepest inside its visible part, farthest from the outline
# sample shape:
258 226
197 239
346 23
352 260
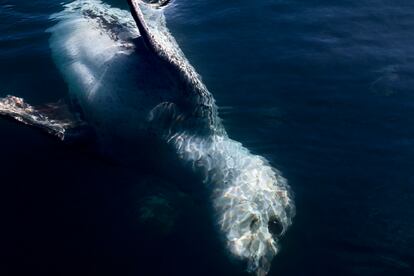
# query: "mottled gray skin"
145 101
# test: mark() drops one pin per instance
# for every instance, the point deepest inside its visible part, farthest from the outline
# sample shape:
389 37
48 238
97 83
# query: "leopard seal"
131 82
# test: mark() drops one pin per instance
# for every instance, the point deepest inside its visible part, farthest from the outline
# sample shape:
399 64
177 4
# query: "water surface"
322 89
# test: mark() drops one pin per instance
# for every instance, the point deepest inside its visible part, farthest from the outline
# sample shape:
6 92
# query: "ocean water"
322 89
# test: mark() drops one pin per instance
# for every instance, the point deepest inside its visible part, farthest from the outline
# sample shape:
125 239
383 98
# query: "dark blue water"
323 89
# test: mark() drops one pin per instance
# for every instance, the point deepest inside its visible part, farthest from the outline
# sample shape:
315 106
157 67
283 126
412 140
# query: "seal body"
110 73
143 98
133 81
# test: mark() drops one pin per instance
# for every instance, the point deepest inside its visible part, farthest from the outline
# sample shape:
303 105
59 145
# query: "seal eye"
275 227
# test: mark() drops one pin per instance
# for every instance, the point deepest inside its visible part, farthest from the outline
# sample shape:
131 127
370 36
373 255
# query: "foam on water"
90 39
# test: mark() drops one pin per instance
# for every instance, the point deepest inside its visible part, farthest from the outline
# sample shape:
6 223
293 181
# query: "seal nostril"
275 227
254 224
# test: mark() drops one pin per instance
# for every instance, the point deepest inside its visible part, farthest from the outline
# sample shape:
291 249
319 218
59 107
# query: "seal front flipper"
55 118
195 98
